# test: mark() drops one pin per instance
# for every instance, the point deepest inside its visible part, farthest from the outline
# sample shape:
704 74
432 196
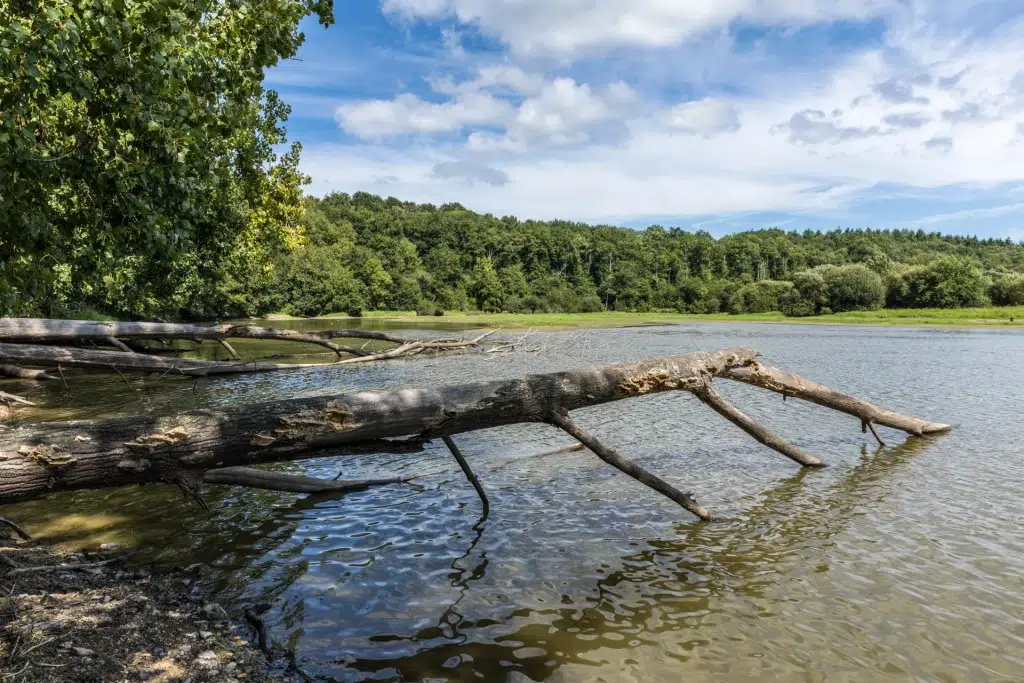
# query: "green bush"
950 282
853 287
808 296
1008 290
429 308
761 297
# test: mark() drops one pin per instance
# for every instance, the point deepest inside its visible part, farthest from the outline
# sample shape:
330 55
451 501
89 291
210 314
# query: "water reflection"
668 586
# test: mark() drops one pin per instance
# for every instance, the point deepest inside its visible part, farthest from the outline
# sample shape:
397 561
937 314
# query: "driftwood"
43 330
181 449
65 344
70 357
275 481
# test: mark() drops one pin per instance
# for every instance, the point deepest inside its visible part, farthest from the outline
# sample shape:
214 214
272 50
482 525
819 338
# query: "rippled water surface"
894 564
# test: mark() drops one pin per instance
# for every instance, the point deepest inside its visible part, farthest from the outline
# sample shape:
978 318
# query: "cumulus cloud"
966 113
567 27
408 113
563 113
813 126
911 120
706 117
899 91
470 172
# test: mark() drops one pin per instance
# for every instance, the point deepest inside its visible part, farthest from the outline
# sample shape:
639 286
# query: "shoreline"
90 616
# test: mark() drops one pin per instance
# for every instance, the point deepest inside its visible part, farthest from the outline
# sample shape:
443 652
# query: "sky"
717 115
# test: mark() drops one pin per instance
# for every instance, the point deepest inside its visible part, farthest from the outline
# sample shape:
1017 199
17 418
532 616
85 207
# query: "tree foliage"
139 172
453 259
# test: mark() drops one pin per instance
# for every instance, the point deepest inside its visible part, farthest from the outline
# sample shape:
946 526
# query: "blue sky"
720 115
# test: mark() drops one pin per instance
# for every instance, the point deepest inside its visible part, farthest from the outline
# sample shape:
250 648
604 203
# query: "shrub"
808 296
429 308
1008 290
853 287
761 297
950 282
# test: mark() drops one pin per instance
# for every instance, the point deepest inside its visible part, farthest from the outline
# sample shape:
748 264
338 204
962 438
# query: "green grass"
1012 316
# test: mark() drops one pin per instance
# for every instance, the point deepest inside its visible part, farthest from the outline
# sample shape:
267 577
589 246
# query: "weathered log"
276 481
788 384
710 396
37 459
24 373
68 357
14 398
39 330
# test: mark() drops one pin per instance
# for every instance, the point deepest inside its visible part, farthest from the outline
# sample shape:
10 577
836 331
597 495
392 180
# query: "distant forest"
355 253
363 252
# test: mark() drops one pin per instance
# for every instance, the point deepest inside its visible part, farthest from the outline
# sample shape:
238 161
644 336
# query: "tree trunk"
43 330
67 357
36 459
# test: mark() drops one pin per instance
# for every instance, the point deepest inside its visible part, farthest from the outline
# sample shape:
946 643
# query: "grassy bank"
1012 316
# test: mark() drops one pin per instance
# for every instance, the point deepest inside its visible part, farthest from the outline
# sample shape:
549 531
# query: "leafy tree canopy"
139 170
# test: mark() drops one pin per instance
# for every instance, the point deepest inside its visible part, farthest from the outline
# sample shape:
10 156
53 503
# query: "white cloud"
704 117
407 113
567 27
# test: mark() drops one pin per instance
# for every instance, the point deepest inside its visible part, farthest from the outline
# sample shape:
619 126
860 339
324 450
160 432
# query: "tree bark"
37 459
788 384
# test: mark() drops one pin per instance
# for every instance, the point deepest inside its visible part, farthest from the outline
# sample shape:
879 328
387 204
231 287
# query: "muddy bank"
109 622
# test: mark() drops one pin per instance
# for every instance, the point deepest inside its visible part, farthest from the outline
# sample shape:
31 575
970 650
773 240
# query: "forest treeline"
354 253
363 252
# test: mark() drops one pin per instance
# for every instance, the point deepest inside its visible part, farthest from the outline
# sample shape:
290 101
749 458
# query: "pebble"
82 651
231 667
206 635
158 652
207 655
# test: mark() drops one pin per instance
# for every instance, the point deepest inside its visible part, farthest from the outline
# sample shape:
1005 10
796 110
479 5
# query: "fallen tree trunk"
23 373
45 330
68 357
37 459
182 449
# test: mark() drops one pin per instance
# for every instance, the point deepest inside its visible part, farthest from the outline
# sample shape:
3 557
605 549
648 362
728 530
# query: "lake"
892 564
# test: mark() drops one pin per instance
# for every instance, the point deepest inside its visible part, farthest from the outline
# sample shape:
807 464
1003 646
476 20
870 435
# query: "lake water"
904 563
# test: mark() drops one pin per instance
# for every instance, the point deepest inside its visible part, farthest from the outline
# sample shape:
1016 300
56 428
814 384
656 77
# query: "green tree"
1008 290
853 287
487 286
950 282
761 296
139 150
809 295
